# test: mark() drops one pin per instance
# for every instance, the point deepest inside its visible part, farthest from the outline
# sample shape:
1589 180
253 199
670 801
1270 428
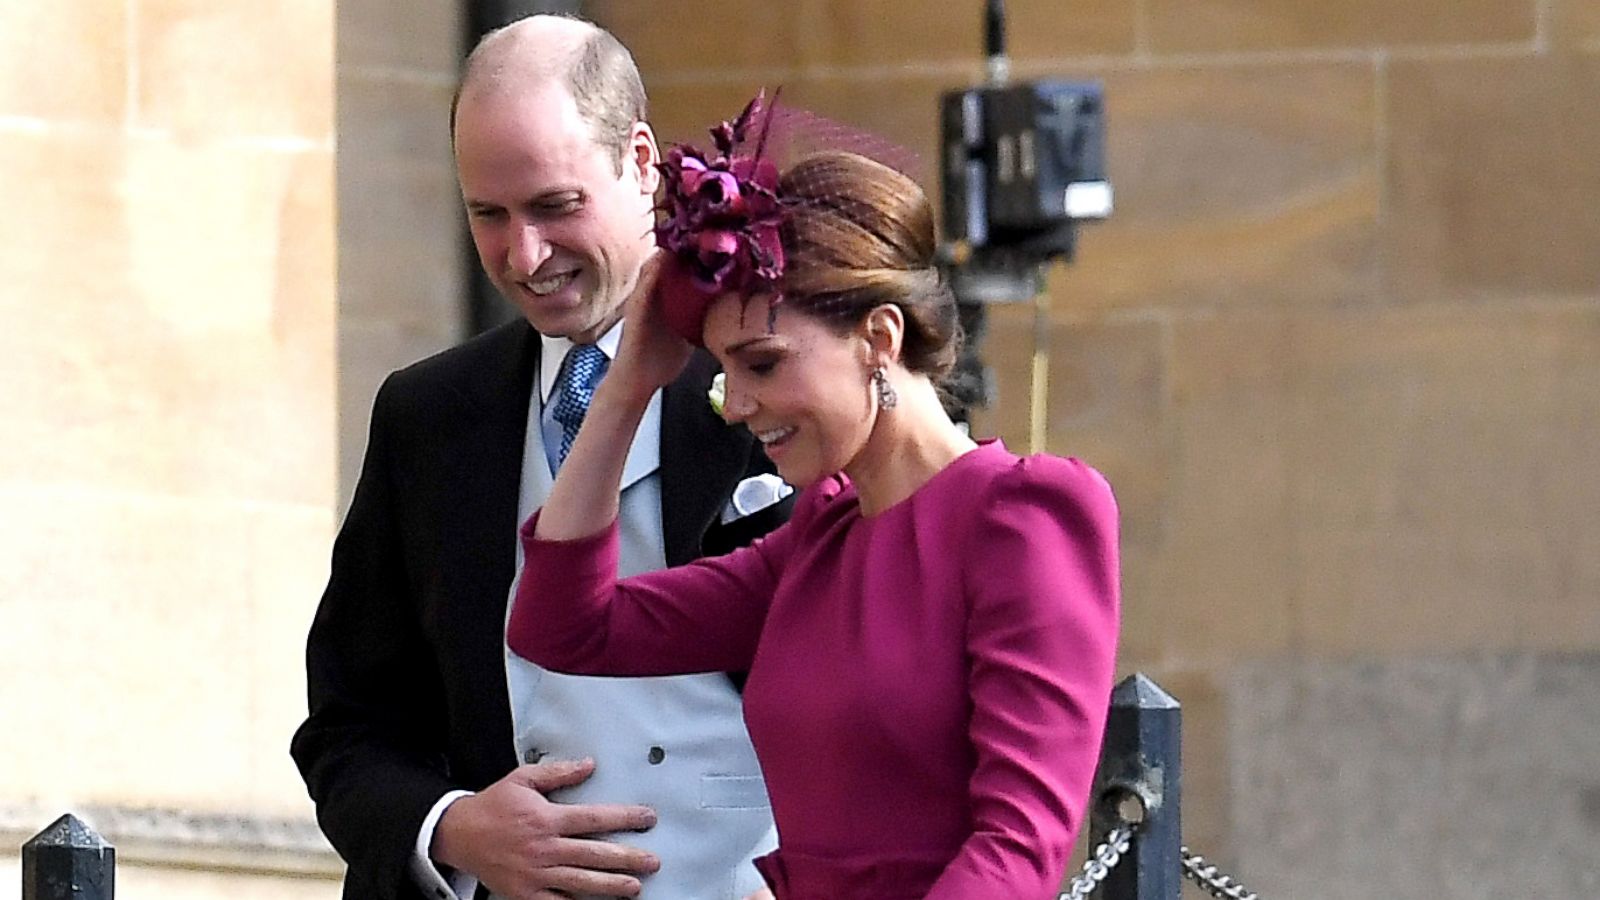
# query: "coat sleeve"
371 750
1042 578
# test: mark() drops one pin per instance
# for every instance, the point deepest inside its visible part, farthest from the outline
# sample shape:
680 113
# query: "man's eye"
486 214
763 367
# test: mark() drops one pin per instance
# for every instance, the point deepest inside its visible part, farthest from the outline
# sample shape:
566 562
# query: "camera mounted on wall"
1021 165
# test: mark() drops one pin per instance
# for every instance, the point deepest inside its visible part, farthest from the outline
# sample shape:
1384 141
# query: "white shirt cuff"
459 885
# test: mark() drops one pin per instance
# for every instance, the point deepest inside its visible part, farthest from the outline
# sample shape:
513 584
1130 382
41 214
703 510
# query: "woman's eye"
763 367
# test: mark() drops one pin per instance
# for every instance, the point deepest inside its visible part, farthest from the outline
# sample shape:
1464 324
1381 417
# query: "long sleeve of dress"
1042 571
572 615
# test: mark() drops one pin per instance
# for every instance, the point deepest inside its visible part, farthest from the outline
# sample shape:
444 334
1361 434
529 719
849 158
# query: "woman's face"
801 388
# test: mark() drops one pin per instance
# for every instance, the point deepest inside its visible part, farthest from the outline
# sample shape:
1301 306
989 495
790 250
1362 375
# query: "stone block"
1462 776
901 110
1105 404
65 61
681 110
1041 32
877 33
1236 186
169 883
904 109
1443 483
289 554
156 347
1197 466
1492 185
403 247
1181 26
703 36
421 39
141 615
1575 24
1190 422
385 120
268 69
1220 583
67 234
369 349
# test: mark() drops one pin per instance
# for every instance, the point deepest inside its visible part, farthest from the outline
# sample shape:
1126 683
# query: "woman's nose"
737 404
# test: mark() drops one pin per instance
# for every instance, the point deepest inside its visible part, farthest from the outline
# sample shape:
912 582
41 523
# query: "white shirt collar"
553 352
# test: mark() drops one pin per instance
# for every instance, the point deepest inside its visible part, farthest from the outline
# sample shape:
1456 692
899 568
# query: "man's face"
558 231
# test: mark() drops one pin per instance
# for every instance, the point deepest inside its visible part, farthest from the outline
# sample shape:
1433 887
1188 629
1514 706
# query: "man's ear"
643 154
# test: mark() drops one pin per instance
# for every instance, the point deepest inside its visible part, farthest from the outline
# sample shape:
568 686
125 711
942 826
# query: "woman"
930 639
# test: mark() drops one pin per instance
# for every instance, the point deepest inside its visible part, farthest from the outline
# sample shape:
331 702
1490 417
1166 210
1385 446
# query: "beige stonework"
1336 350
171 883
65 62
1180 26
401 232
1510 212
705 36
1574 24
1236 185
207 69
1442 460
168 471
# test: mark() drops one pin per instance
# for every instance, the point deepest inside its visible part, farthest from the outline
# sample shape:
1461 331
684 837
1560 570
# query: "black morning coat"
404 660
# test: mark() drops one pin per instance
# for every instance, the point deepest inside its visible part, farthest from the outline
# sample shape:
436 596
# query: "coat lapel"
702 458
485 461
480 439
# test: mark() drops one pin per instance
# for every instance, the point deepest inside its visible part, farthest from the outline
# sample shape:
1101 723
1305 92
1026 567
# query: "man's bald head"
584 58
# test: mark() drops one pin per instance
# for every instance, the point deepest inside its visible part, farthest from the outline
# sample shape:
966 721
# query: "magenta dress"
928 685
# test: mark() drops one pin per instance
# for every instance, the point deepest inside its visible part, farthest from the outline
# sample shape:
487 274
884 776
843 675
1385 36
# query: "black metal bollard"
68 861
1139 781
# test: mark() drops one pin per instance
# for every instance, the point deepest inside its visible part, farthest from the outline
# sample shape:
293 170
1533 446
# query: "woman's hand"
583 501
651 355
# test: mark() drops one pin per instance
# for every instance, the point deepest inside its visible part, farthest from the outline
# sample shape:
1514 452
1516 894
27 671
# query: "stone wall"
1338 350
167 468
401 248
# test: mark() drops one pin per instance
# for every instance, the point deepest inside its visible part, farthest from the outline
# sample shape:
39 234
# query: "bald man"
442 766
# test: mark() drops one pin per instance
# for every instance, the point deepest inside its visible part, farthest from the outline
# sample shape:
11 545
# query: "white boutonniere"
718 394
755 494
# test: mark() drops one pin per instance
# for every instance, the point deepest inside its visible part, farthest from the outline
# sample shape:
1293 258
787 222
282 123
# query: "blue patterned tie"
581 373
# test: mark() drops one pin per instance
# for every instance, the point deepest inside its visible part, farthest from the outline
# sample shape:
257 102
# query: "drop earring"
887 398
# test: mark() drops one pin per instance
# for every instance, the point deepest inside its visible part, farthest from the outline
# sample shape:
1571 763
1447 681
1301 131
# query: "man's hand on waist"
523 846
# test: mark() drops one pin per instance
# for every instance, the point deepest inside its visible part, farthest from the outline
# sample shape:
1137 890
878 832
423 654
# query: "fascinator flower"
719 225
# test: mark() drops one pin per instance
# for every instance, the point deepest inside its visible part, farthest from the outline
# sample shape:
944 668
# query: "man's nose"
527 250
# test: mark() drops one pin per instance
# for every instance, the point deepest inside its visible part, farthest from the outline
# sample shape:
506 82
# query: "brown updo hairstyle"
856 235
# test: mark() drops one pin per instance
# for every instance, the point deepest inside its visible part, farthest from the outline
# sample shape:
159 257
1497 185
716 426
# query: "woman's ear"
885 328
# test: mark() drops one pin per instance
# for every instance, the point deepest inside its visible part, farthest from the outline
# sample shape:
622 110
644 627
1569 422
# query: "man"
418 718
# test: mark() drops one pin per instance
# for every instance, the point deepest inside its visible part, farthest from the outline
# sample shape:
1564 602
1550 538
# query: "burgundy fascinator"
719 224
722 214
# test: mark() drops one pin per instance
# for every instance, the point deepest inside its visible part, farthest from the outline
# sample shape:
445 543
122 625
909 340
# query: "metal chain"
1100 863
1211 879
